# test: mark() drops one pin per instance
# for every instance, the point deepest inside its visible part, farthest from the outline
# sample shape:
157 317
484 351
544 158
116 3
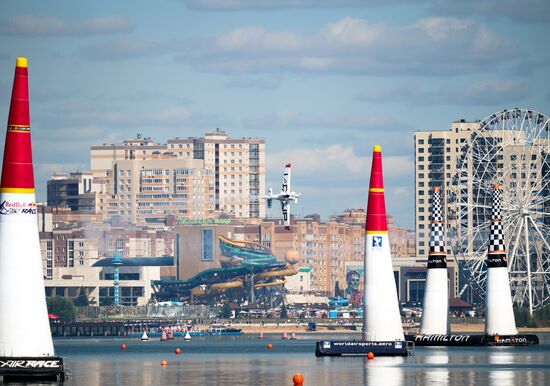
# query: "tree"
284 312
226 310
61 307
523 319
107 301
82 299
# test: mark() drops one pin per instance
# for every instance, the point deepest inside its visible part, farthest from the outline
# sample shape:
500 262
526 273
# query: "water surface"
245 360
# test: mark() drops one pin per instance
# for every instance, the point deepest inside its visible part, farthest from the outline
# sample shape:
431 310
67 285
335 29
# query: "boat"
187 336
338 302
144 337
157 334
220 329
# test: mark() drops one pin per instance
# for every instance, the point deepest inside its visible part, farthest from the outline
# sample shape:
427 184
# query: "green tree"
107 301
284 312
82 299
62 307
523 319
226 310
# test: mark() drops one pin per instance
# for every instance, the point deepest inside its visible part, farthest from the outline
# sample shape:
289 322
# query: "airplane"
285 196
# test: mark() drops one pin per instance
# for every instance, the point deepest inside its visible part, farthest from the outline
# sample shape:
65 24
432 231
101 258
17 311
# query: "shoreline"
323 329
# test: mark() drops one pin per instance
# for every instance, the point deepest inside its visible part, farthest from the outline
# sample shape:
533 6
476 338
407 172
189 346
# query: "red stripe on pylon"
376 208
17 169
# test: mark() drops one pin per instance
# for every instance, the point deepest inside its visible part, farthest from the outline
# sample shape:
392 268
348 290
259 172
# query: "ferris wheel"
511 148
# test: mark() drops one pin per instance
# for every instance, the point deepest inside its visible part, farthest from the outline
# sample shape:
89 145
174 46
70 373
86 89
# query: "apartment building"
436 154
237 166
142 190
79 191
494 156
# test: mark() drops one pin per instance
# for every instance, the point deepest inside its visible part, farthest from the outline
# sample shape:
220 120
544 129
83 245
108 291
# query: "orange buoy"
163 363
269 346
178 351
298 379
123 346
370 355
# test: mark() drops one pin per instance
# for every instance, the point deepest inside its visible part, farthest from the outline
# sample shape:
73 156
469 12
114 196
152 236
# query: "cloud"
336 171
34 26
122 49
86 112
528 67
254 82
236 5
484 92
292 120
430 46
519 10
337 161
354 46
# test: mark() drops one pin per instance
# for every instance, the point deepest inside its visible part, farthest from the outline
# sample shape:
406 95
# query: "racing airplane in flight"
285 196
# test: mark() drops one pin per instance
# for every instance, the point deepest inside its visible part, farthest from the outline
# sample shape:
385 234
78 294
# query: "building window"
70 254
208 244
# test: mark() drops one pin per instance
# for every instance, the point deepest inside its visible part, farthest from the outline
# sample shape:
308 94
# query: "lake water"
245 360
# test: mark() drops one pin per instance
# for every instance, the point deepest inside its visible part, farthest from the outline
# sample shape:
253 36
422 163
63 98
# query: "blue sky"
321 81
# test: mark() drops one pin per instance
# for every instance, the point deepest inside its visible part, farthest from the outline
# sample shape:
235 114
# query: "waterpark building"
324 247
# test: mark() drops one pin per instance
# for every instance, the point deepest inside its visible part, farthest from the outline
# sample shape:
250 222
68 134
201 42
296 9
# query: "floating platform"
447 340
472 340
31 368
513 340
361 348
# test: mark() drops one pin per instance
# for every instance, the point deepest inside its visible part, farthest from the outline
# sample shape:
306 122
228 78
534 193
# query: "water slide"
211 277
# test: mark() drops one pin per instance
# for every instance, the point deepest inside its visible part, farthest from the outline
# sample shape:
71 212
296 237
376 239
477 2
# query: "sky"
321 81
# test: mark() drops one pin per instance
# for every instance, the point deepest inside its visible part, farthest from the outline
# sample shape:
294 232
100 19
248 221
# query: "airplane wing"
286 179
286 213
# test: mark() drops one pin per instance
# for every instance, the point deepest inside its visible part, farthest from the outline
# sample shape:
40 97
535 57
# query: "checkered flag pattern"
497 204
436 206
496 237
437 232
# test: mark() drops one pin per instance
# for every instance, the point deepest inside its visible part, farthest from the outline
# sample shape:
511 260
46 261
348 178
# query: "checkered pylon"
496 256
438 254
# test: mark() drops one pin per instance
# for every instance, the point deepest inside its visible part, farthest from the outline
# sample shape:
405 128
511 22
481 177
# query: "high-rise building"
436 154
78 190
237 166
504 155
